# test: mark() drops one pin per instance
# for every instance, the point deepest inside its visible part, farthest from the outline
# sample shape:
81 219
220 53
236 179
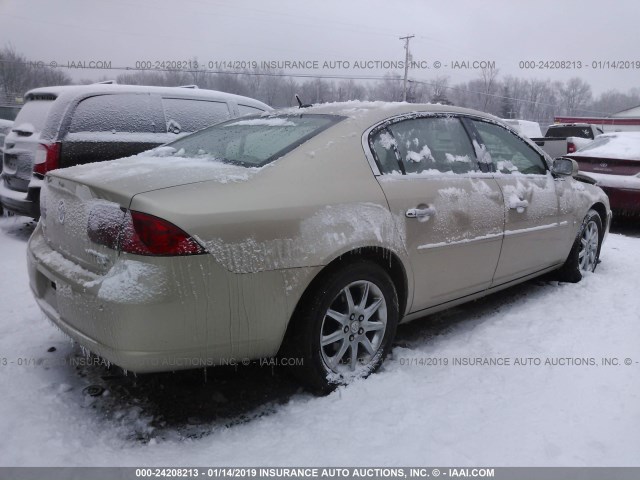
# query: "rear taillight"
47 158
139 233
145 234
571 147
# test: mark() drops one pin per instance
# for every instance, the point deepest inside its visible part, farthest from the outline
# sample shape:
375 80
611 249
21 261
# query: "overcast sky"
125 31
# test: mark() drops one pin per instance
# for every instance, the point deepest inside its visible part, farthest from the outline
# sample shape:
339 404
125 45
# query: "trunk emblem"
61 211
603 165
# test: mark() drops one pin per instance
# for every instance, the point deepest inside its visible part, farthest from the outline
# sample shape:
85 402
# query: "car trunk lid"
73 198
66 208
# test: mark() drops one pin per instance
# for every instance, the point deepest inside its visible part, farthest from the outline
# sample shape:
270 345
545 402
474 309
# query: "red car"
613 160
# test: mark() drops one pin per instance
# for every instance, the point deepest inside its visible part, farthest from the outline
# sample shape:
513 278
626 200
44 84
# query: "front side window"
506 152
252 141
428 144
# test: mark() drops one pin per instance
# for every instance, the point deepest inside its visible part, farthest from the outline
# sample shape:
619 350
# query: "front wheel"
344 326
585 252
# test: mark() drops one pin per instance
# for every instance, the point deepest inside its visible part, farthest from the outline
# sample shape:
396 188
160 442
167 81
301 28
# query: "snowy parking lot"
543 374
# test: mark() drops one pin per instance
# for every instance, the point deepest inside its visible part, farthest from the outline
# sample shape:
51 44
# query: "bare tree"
230 83
575 95
291 87
18 74
389 89
613 101
489 83
440 90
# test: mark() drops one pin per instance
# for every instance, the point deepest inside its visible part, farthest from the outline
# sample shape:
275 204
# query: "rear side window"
119 113
184 115
32 116
245 109
507 152
437 144
252 141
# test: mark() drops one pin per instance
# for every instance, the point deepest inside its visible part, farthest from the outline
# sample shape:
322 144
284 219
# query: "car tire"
353 308
585 253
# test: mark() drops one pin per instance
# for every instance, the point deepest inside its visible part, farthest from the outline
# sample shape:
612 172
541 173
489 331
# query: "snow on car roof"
371 112
620 145
102 88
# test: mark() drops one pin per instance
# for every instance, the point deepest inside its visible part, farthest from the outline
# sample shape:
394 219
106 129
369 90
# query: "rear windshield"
253 141
564 132
626 146
32 116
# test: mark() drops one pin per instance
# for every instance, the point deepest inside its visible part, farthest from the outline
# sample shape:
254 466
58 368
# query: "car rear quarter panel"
303 210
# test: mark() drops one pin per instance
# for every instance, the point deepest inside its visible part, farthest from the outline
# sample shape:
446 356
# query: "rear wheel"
585 252
344 327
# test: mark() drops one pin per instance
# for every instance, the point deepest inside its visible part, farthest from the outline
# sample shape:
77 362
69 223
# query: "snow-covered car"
5 128
562 138
613 160
70 125
526 128
308 234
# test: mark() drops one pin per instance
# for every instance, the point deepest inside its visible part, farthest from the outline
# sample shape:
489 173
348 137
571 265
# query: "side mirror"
565 167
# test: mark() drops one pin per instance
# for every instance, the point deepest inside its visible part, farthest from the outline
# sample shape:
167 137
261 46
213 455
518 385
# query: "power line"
207 71
385 77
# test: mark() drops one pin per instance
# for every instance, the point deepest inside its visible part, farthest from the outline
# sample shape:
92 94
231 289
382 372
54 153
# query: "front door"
535 236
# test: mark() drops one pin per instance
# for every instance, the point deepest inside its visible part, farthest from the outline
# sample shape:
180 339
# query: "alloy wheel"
353 327
588 254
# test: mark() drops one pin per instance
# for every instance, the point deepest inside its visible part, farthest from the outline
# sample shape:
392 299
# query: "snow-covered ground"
410 413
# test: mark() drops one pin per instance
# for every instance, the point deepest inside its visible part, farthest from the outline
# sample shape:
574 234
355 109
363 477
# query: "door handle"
423 213
518 205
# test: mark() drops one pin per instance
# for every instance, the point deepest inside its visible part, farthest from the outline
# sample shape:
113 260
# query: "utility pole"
406 65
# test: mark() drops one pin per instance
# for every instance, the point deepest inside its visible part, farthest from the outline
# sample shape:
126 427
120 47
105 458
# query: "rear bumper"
152 314
21 203
623 199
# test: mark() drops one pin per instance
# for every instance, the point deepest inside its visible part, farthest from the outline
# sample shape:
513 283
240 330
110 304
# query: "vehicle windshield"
251 141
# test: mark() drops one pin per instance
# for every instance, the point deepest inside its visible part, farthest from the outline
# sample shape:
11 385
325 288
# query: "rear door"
535 237
450 214
105 127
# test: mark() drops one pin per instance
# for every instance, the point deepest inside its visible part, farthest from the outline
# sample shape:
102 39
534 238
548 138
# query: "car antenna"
300 104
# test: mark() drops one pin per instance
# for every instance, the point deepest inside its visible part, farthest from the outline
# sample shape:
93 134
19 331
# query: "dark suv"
64 126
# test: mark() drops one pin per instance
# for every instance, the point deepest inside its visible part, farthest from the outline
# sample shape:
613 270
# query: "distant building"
629 112
624 120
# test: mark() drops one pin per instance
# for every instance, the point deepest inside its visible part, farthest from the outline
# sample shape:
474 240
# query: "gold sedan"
306 233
